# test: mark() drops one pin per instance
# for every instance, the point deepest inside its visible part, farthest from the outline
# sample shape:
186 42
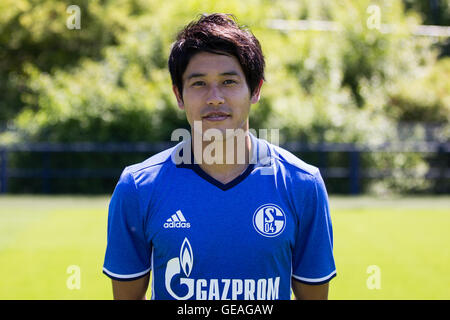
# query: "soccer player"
221 215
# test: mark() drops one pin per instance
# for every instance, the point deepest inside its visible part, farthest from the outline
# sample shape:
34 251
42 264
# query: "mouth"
216 116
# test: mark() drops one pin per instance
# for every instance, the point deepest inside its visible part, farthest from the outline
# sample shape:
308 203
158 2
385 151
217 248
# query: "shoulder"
292 165
302 182
148 170
299 179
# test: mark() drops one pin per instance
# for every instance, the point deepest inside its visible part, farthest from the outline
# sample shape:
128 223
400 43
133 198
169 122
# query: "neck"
223 158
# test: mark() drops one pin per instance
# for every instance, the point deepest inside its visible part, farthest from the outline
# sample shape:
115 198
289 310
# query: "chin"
216 133
222 134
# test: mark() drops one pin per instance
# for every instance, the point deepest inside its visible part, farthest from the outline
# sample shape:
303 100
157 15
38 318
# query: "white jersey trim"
126 276
314 279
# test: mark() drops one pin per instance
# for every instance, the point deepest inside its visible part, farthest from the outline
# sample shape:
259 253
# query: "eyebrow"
198 75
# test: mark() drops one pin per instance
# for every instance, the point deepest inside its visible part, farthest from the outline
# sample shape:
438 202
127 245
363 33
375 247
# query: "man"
223 215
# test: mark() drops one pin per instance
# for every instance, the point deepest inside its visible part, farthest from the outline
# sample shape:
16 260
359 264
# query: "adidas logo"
177 220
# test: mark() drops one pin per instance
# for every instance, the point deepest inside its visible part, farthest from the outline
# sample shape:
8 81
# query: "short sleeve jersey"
203 239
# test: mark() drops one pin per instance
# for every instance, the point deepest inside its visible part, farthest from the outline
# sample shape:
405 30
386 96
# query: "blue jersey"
203 239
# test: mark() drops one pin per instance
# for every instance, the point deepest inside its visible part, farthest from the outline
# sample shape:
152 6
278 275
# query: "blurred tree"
35 32
435 12
432 12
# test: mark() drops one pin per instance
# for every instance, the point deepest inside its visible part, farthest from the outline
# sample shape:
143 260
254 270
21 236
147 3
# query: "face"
215 92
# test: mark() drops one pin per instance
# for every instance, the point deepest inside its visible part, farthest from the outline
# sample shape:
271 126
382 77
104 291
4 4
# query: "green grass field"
407 239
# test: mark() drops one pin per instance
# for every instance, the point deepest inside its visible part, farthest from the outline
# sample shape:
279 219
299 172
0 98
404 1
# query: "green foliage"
424 98
35 32
432 12
108 81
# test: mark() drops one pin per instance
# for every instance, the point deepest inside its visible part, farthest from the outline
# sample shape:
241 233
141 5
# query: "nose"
215 96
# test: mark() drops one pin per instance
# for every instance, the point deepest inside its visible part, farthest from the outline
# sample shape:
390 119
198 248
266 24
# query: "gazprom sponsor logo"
177 280
235 289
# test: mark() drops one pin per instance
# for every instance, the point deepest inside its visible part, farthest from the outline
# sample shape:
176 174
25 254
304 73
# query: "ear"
178 96
256 94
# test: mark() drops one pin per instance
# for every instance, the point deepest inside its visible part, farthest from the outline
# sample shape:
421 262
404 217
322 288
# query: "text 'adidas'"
177 220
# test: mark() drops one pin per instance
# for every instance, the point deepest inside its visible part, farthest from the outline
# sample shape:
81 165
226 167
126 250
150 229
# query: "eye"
229 82
198 84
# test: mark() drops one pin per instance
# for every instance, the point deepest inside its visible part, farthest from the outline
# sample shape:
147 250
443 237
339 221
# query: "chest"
231 231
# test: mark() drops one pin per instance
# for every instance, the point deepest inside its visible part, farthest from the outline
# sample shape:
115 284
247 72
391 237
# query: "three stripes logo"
177 220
